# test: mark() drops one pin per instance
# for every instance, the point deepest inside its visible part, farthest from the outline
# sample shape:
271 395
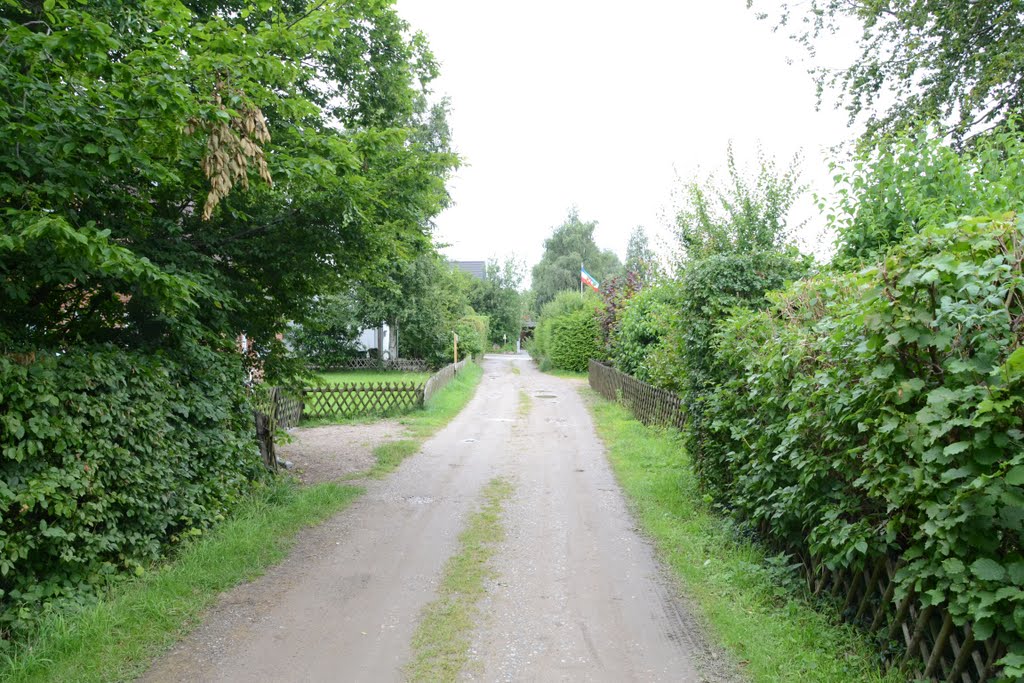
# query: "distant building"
477 269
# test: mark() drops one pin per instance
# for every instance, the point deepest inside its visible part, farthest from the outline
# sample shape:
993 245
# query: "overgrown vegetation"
111 458
177 181
880 413
116 637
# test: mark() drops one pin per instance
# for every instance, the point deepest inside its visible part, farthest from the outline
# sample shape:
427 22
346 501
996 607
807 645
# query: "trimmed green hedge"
544 339
882 413
110 457
575 339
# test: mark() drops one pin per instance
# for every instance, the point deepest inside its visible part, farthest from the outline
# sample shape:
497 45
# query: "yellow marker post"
456 346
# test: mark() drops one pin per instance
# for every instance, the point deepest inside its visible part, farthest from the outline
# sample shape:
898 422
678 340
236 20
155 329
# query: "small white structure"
377 338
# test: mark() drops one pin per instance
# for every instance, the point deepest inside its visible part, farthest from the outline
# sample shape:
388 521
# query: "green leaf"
1016 571
1015 476
954 448
988 570
953 566
1015 363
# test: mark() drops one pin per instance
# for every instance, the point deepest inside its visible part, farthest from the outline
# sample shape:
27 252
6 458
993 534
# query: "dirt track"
579 596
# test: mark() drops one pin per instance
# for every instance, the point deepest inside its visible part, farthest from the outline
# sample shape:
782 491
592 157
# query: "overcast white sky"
599 105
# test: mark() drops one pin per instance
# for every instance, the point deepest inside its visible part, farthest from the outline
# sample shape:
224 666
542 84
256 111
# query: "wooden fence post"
265 437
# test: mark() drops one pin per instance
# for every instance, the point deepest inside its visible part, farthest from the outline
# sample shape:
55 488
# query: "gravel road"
579 595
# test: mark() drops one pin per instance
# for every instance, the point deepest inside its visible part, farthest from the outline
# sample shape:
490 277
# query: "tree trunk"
393 339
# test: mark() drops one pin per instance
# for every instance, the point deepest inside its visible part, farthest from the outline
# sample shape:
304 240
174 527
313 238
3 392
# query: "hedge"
575 339
881 413
109 458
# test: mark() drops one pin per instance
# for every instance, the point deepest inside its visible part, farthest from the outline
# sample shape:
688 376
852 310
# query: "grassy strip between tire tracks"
117 638
773 631
441 642
444 406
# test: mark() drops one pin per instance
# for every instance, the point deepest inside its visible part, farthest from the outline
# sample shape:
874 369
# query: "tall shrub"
575 339
907 183
709 291
881 413
563 304
641 331
110 457
473 331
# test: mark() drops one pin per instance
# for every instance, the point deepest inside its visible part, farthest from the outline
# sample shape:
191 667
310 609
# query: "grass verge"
444 406
117 638
752 602
441 642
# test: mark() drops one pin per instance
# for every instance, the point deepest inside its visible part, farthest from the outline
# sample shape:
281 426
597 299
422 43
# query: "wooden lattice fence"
358 398
648 404
378 365
922 640
287 409
440 378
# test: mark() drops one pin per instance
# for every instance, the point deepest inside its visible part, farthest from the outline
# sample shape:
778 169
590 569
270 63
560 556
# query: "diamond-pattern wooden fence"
358 398
375 364
930 646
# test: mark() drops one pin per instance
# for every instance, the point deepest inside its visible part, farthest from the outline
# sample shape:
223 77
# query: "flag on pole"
588 279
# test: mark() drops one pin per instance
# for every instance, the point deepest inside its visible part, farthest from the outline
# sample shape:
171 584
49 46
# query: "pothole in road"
469 441
419 500
545 394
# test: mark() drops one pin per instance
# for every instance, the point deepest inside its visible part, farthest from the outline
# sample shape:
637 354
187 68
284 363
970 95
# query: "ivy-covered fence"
932 643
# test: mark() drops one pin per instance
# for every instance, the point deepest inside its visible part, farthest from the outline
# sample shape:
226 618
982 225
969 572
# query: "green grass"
445 404
117 638
421 424
754 606
390 455
373 377
525 403
441 642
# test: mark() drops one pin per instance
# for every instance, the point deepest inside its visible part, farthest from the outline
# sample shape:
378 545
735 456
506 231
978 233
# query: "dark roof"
477 269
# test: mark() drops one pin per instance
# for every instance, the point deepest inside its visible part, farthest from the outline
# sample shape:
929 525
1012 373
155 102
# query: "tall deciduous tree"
206 166
571 244
421 301
640 258
497 296
960 62
744 213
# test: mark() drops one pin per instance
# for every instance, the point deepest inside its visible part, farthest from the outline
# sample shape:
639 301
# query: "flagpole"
581 279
